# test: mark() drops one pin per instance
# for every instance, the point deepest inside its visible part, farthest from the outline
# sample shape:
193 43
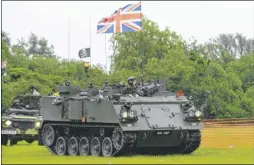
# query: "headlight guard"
191 113
128 115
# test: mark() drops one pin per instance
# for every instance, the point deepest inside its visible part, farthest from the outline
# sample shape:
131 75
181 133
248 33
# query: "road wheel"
107 147
84 146
48 135
95 147
61 146
73 146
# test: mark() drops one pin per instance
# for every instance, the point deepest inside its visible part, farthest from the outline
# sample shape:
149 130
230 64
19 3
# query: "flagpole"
141 49
106 53
69 43
69 38
90 46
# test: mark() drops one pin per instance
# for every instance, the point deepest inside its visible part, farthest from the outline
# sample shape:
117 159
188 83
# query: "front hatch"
161 116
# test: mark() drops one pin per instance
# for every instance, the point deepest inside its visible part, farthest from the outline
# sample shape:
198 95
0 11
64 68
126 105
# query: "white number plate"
12 132
194 124
163 133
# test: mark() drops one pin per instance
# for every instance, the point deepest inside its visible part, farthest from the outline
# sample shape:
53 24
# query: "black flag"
83 53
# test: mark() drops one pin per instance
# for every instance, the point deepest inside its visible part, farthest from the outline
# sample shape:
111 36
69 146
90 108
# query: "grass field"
220 144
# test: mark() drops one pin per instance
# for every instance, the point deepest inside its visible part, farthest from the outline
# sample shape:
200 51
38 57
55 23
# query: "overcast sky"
201 20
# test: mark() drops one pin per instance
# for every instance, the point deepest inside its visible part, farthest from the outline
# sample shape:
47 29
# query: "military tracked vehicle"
21 121
115 121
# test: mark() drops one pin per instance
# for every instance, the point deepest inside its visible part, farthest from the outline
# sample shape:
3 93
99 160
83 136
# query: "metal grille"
15 124
23 125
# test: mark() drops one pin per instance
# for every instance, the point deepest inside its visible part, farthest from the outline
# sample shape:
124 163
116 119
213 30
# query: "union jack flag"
126 19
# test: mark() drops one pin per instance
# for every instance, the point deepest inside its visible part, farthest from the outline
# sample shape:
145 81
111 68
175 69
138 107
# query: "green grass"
24 153
215 149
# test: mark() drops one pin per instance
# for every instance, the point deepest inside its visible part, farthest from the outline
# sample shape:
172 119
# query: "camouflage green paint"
143 118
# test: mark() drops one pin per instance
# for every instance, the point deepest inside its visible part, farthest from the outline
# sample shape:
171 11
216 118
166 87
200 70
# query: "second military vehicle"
144 119
21 121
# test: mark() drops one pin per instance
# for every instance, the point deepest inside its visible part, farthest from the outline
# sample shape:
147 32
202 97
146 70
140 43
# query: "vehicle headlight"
8 122
37 124
198 113
125 114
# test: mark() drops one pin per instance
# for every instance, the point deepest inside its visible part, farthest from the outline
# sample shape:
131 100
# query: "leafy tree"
6 38
5 51
33 44
196 69
133 48
43 72
236 45
244 68
21 47
218 74
44 49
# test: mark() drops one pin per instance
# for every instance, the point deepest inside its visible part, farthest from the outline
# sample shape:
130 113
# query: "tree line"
219 74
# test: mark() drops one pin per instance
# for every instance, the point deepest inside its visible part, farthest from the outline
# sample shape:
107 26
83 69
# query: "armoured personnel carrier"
21 121
116 121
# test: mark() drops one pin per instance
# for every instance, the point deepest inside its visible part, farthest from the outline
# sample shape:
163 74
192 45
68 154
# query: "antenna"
105 51
90 38
142 59
69 45
142 51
